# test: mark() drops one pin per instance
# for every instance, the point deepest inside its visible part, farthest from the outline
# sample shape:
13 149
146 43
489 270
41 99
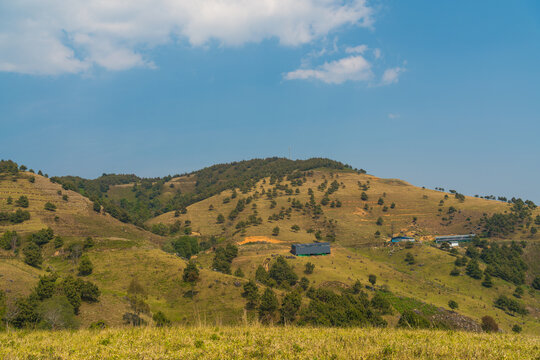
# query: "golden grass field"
256 342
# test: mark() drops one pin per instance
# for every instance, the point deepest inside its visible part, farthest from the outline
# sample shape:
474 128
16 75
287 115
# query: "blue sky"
438 93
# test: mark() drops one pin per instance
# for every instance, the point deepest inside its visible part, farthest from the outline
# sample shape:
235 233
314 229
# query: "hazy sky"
438 93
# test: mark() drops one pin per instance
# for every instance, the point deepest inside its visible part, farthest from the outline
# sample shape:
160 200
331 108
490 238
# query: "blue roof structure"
401 238
454 238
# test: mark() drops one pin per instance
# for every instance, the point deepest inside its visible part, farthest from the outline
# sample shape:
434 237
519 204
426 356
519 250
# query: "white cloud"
57 36
360 49
393 116
352 68
391 76
377 53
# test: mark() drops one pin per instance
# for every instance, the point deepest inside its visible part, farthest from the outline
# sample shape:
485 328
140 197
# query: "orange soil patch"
251 239
360 212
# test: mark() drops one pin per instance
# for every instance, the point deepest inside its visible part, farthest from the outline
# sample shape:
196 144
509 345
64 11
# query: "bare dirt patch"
255 239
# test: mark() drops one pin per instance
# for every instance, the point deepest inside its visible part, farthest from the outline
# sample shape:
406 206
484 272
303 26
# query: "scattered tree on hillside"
536 283
452 304
275 231
160 320
238 272
379 221
85 266
309 267
251 293
372 279
282 273
409 259
220 219
473 269
22 201
487 281
49 206
289 307
268 306
489 324
191 273
32 255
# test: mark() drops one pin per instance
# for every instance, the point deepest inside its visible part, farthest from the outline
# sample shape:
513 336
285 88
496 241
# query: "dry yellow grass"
256 342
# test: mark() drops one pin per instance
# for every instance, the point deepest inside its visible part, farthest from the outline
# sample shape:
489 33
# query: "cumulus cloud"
391 76
352 68
56 36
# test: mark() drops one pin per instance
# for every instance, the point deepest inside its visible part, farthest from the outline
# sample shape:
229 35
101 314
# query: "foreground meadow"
264 343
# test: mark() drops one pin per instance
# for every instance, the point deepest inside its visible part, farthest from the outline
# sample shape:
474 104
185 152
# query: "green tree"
304 283
42 237
49 206
268 306
191 273
71 288
489 324
452 304
85 266
380 201
275 231
220 219
251 293
22 201
289 307
517 329
261 275
487 281
372 279
364 196
46 286
57 313
96 206
455 272
309 267
58 242
32 255
282 272
518 292
379 221
239 272
409 259
536 283
88 243
410 319
473 269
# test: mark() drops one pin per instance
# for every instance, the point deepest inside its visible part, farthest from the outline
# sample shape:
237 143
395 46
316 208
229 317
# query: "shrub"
473 269
32 255
49 206
275 231
517 329
22 201
191 273
88 243
453 304
220 219
410 319
489 324
57 313
58 242
289 307
518 292
536 283
513 306
85 266
379 221
455 272
309 267
160 319
372 279
282 272
42 237
409 259
487 281
133 319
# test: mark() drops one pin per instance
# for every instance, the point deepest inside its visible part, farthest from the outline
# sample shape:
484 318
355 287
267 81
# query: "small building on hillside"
458 239
399 239
310 249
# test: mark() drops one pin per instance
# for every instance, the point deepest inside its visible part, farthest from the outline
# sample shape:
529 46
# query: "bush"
275 231
289 307
518 292
88 243
455 272
453 304
372 279
381 303
517 329
489 324
32 255
239 272
57 313
133 319
22 201
409 259
191 273
160 319
513 306
536 283
309 267
85 266
49 206
410 319
473 269
282 272
487 281
379 221
58 242
42 237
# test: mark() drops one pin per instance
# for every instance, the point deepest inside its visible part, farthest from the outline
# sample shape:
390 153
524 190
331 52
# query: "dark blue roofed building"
398 239
310 249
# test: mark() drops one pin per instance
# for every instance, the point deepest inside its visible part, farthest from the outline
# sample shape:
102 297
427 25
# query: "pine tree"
85 266
268 306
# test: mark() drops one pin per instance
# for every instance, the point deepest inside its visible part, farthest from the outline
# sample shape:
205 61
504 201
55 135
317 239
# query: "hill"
355 211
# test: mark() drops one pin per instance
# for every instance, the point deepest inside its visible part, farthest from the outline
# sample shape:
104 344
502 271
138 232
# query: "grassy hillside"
415 211
265 343
123 252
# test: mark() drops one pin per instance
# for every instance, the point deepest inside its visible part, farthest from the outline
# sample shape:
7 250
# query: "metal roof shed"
310 249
